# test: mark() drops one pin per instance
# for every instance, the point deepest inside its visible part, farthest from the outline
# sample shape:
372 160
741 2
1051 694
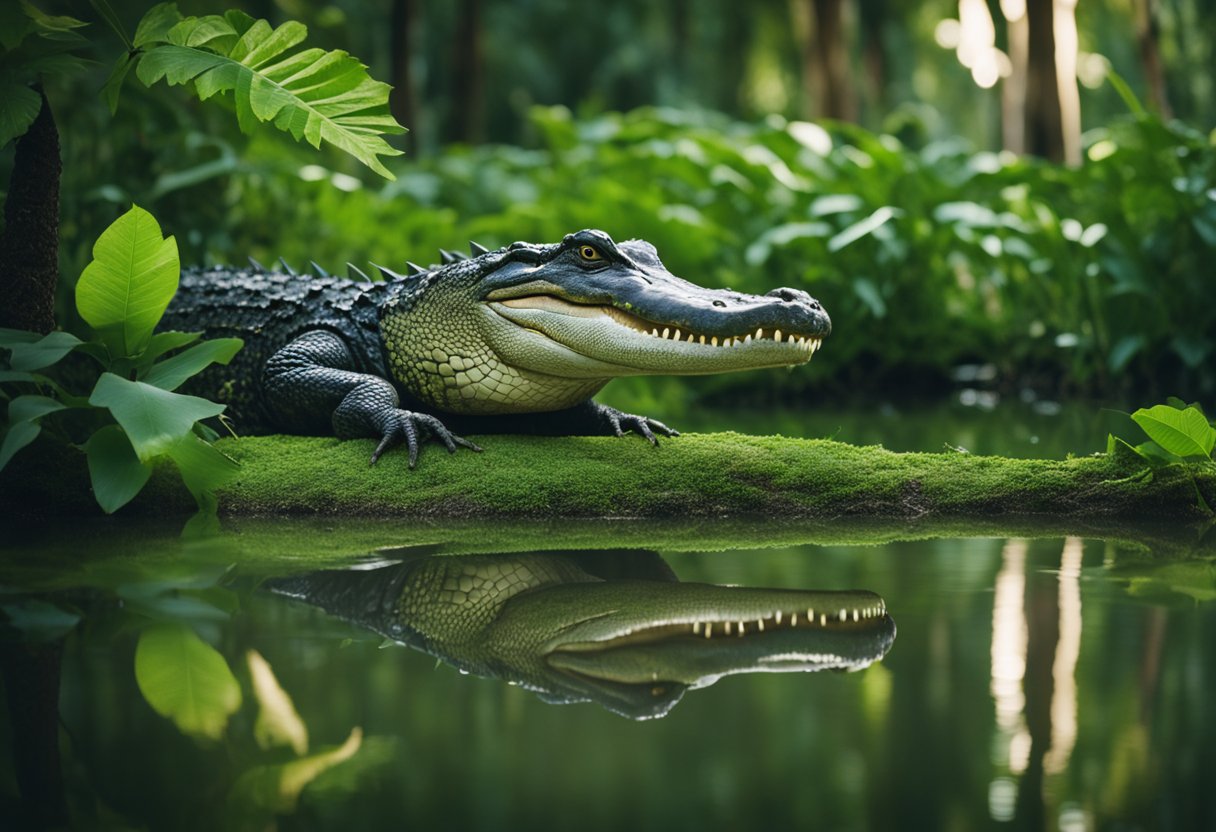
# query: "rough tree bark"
1044 126
29 247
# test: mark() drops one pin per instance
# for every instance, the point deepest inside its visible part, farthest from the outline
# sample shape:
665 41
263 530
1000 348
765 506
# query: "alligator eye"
589 253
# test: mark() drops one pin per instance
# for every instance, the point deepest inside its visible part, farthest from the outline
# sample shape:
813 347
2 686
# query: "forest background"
1016 195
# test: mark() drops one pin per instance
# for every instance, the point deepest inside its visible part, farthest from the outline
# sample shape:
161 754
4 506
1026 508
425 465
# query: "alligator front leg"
312 382
587 419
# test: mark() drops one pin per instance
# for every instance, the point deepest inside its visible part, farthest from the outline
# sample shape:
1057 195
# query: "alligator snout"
807 307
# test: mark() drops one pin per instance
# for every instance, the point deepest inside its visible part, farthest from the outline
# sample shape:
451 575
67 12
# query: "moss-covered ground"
697 475
691 476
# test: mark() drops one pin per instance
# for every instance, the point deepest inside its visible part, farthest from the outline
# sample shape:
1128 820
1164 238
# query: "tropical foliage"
1090 279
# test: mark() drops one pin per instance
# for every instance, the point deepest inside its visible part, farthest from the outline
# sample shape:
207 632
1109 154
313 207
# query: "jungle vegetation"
896 160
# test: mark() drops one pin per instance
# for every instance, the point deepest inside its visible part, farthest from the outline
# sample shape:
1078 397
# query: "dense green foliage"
129 417
1089 279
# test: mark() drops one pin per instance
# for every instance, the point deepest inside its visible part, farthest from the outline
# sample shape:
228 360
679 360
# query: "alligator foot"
621 422
415 428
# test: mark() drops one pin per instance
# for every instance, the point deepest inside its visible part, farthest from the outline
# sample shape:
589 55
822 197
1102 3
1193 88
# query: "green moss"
700 475
691 476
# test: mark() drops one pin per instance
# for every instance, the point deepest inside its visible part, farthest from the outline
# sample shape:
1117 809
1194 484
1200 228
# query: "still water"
322 675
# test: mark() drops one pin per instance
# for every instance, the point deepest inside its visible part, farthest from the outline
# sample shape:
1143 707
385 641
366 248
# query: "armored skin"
515 340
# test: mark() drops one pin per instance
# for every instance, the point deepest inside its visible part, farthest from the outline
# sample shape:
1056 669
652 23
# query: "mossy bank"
694 475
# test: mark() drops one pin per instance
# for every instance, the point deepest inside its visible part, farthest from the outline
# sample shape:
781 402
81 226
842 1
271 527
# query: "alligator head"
633 645
529 328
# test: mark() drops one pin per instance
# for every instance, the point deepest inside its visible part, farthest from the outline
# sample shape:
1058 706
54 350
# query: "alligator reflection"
613 627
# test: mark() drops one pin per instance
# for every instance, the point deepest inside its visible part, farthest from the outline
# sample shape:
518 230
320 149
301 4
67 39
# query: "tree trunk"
403 100
1044 126
1013 90
826 81
469 75
873 14
29 247
1150 57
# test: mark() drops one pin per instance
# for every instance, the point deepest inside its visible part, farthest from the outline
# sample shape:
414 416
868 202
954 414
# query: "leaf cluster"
33 45
1177 433
1095 279
314 95
133 415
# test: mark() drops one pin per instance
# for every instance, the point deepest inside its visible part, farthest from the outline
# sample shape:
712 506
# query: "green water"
1059 682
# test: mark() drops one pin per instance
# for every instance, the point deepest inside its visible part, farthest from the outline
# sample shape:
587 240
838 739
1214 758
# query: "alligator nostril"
719 303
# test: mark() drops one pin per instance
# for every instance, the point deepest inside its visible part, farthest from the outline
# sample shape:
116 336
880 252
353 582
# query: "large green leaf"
124 291
154 419
35 354
315 95
19 106
184 679
170 373
116 473
1181 432
15 438
31 408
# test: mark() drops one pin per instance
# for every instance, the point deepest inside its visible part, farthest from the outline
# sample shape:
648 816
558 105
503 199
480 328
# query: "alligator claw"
620 422
415 428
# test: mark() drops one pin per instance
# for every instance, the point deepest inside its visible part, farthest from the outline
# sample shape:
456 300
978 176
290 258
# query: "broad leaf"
277 722
31 408
163 342
862 228
16 438
34 355
19 106
170 373
315 95
184 679
113 85
38 620
124 291
203 467
156 23
1185 433
116 473
154 419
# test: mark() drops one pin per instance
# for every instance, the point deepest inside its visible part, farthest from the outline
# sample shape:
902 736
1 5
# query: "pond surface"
325 675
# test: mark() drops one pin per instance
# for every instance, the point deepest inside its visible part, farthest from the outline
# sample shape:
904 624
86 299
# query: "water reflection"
612 627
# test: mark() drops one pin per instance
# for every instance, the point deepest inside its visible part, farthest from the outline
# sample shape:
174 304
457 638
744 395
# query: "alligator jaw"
846 631
613 337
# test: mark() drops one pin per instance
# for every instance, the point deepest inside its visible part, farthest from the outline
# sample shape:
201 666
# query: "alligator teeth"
702 340
778 616
843 615
709 627
666 332
760 624
740 628
714 340
823 619
691 336
794 620
728 628
854 615
677 335
759 334
748 339
655 332
696 627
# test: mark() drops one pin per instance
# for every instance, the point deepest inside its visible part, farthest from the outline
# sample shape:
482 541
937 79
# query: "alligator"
515 340
615 628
